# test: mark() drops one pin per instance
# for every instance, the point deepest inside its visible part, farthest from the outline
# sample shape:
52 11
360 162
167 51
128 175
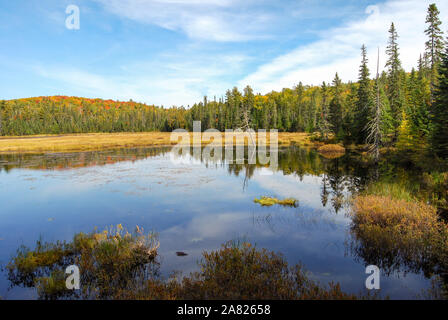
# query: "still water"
194 206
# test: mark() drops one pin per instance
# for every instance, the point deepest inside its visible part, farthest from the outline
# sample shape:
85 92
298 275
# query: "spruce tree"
434 45
439 116
364 101
336 107
324 124
394 75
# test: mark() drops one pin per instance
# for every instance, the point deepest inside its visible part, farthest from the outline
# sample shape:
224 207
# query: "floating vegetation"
269 201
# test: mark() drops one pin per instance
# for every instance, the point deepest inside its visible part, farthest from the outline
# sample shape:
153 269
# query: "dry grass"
396 233
100 141
329 149
385 212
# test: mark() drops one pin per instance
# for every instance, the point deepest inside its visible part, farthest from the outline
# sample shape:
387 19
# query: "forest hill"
405 109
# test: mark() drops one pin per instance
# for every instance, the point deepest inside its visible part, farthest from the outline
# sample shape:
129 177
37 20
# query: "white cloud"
199 68
338 49
217 20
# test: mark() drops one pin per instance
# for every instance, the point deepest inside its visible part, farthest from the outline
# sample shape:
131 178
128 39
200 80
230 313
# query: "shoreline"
78 142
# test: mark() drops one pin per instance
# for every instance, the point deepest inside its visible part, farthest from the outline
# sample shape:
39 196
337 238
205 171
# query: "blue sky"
172 52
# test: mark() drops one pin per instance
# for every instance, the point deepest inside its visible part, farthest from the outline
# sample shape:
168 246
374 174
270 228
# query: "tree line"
408 110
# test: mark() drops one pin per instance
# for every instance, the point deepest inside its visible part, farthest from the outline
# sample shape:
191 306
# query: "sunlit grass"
99 141
397 231
270 201
331 149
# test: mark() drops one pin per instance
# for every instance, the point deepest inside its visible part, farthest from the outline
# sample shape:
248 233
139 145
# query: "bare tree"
374 136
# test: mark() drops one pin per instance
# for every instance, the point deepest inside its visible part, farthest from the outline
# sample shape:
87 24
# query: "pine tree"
434 45
439 117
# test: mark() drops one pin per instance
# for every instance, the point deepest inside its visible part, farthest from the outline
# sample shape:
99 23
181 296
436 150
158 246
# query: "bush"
395 233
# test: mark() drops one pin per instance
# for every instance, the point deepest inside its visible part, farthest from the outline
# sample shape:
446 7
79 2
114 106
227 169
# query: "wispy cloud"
338 49
225 20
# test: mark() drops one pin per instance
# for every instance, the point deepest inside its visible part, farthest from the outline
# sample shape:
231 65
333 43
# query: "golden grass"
100 141
385 211
331 149
269 201
397 234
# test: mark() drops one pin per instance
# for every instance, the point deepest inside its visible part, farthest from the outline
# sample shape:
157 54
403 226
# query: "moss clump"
270 201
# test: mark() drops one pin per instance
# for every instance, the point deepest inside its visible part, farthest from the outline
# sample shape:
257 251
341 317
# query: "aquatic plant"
242 272
110 263
116 265
270 201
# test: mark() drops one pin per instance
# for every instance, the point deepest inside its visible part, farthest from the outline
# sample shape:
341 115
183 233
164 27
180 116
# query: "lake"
195 206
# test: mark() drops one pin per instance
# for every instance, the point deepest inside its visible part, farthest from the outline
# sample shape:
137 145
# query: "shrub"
395 233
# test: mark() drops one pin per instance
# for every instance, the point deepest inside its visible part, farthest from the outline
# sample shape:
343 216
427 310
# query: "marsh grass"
114 265
270 201
101 141
242 272
394 190
397 233
110 262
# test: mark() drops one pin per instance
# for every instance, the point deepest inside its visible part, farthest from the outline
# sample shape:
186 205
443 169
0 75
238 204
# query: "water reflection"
196 206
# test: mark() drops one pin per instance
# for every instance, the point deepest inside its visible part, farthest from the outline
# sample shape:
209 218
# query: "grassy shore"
100 141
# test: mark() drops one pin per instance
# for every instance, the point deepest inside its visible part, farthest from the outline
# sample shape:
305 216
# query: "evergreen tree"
439 117
364 101
434 45
394 75
336 107
404 140
324 125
